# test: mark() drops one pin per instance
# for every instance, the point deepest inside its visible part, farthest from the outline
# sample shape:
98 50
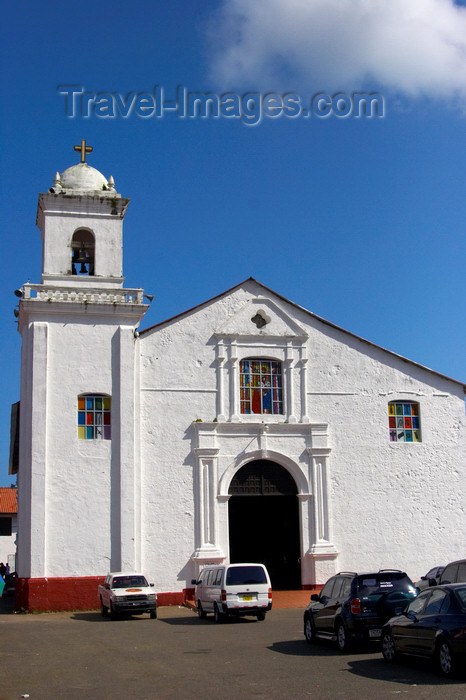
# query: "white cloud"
416 47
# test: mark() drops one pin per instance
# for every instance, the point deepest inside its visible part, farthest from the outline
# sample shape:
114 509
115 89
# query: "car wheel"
200 610
388 648
309 631
342 637
261 616
445 659
153 614
103 609
218 616
113 612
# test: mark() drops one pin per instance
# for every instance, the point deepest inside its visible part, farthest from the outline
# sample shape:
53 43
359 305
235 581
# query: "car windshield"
129 581
384 582
241 575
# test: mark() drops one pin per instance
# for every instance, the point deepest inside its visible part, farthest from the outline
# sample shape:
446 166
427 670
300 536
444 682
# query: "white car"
233 589
127 592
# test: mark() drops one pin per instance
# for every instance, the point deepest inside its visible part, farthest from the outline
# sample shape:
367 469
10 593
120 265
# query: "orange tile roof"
8 500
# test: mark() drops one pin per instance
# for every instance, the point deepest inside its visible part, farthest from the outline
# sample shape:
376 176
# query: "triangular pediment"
261 317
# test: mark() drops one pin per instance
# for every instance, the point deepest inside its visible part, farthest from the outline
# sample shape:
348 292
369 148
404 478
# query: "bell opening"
82 253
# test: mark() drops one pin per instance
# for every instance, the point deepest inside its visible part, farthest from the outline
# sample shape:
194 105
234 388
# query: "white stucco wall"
395 505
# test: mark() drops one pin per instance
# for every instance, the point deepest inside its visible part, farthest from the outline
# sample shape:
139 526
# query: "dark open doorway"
264 521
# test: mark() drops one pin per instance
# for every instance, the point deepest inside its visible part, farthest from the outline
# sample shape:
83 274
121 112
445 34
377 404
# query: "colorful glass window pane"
265 379
403 422
96 415
267 402
256 401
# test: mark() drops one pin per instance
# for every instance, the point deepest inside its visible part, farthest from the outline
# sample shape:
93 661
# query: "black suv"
353 607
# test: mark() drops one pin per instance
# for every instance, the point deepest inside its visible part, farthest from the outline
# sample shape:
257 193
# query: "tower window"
404 422
82 253
94 417
261 386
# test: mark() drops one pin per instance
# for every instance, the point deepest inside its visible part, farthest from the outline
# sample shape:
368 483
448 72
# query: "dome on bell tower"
82 178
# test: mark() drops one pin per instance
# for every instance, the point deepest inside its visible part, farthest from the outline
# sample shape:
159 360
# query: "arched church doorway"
263 518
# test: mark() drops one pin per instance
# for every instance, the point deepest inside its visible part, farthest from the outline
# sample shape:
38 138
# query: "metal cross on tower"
83 149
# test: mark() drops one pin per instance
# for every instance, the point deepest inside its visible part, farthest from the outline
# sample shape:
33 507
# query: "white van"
233 589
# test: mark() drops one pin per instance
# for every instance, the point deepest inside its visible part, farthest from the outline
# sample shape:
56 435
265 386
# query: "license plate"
375 633
247 597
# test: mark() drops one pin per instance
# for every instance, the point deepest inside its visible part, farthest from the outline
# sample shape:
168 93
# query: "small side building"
8 525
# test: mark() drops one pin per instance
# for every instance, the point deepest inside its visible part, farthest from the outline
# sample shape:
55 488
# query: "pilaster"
322 554
206 536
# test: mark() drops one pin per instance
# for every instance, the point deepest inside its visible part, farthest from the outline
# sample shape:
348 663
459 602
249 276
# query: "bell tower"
79 422
81 222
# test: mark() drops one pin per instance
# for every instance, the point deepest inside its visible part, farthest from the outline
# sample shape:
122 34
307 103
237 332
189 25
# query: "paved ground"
77 656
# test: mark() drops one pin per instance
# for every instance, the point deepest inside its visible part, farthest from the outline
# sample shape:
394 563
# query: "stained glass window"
404 422
261 386
94 417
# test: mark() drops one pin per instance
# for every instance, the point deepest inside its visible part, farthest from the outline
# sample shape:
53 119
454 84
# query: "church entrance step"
281 599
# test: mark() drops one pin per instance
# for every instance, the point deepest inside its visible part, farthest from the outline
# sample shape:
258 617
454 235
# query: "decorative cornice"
206 451
319 451
240 428
49 293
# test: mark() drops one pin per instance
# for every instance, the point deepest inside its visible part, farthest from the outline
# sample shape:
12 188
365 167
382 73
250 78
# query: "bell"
79 257
83 268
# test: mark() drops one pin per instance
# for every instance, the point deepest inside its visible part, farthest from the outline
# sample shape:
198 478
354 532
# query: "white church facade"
245 429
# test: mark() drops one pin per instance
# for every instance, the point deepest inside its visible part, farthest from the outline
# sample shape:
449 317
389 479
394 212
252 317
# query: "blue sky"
361 221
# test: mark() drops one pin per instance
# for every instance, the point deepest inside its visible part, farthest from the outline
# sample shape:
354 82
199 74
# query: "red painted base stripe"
79 593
